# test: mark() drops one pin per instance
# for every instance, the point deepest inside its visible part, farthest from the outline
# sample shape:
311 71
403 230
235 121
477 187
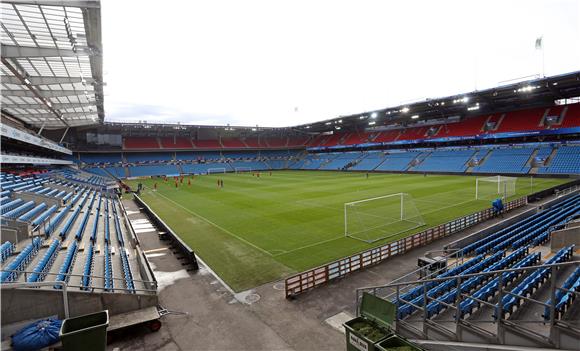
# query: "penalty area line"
217 226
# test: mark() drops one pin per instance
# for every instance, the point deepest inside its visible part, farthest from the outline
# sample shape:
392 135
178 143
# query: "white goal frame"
416 222
506 186
242 169
215 170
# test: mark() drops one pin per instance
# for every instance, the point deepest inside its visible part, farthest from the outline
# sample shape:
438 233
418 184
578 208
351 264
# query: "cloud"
290 62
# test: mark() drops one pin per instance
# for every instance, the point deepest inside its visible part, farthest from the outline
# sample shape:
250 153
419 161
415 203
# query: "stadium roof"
538 92
51 62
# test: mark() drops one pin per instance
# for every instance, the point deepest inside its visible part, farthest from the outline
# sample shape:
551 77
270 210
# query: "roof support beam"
45 93
47 80
13 51
65 3
50 115
33 90
43 106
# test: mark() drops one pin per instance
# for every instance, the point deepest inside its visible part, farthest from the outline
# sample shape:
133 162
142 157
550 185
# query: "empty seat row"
440 304
12 270
6 250
45 263
33 212
14 213
44 215
418 290
88 270
490 241
564 298
558 219
67 264
532 282
129 284
488 291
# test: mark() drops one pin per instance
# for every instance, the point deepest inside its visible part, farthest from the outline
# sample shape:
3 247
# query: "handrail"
416 282
69 275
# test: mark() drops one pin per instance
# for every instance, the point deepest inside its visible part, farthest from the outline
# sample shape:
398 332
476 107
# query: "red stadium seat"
233 143
207 144
572 116
522 120
140 143
176 143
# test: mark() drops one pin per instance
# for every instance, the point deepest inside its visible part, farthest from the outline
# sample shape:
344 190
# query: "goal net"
490 188
216 170
242 169
381 217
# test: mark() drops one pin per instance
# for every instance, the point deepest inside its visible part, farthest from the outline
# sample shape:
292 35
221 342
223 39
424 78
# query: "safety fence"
310 279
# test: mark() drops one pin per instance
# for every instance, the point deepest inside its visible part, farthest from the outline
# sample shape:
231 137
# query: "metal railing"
500 321
310 279
93 288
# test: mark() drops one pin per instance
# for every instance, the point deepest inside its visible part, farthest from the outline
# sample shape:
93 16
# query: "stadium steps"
563 116
418 160
533 169
551 156
484 158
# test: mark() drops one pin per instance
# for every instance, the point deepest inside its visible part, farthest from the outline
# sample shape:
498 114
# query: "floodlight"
415 116
374 115
405 109
372 123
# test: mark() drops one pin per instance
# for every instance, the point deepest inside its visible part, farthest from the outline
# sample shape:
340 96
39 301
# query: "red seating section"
254 142
470 126
140 143
388 136
299 141
233 142
176 143
357 138
277 142
521 120
572 117
414 133
207 144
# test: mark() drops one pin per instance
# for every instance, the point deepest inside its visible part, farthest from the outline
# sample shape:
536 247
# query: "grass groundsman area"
256 230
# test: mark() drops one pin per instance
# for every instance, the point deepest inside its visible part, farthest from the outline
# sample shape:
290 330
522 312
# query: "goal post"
382 217
216 170
242 169
490 188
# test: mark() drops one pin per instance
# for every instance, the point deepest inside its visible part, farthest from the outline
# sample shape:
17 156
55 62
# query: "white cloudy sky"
280 63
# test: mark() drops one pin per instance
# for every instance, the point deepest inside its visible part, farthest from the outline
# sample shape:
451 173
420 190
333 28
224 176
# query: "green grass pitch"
257 230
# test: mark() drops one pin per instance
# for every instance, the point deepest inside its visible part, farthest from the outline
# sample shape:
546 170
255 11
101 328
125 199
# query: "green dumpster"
397 343
87 333
372 326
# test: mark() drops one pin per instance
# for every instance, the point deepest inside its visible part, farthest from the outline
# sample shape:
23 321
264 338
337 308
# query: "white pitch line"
217 226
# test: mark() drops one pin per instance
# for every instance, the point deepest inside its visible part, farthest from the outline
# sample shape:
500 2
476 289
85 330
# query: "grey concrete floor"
217 319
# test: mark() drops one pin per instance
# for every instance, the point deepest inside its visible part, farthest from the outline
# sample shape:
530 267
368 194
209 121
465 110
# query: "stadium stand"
509 160
446 161
566 161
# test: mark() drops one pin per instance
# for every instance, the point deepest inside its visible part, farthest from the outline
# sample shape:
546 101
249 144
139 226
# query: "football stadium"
450 222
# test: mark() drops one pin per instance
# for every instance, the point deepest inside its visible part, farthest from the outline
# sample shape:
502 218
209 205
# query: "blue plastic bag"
37 335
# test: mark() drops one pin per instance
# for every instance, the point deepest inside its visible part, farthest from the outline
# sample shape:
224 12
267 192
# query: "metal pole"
63 135
500 335
402 199
552 334
345 222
